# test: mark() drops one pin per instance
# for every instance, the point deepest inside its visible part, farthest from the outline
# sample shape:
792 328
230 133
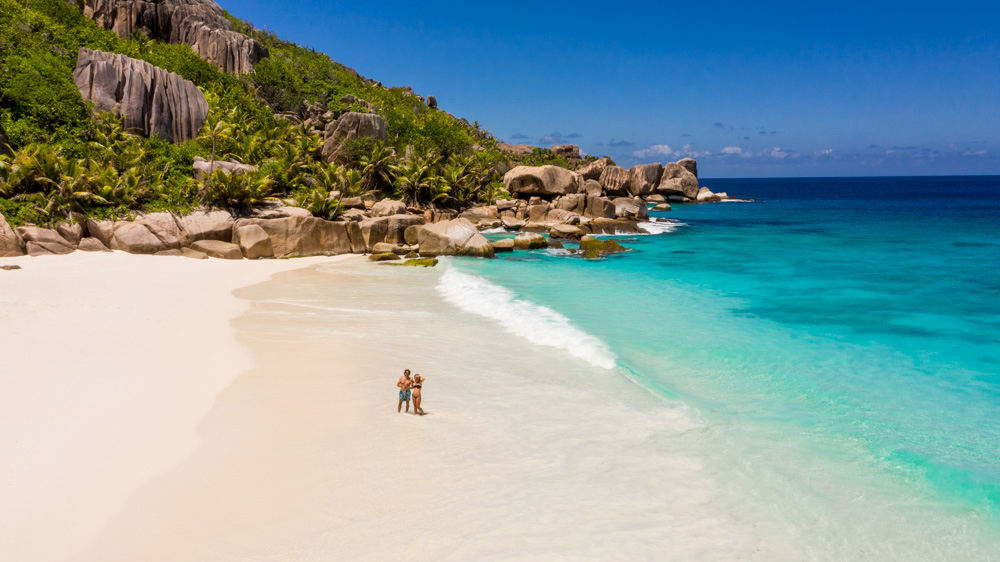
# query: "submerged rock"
592 248
384 256
530 241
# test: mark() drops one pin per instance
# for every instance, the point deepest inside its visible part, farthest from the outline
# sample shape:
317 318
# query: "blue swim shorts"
404 395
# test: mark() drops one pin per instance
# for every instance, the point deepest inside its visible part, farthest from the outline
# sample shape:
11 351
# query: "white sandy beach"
141 422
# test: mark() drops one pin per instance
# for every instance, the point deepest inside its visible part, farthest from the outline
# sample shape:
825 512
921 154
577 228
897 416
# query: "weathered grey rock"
566 150
203 167
43 241
615 180
135 239
388 207
72 232
593 187
165 227
600 207
211 225
150 100
537 213
201 24
505 245
432 102
103 231
511 223
566 231
690 165
457 236
391 229
613 226
678 199
174 252
11 244
92 245
505 204
643 178
631 209
352 203
530 241
481 214
309 236
194 254
655 198
218 249
593 170
412 234
542 180
574 202
678 180
348 127
350 99
254 242
283 212
705 194
516 149
560 216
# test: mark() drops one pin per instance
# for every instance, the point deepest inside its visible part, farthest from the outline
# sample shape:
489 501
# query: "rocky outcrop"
599 207
516 149
631 209
203 167
150 100
212 225
593 170
432 102
391 229
678 180
218 249
592 248
388 207
615 180
254 243
92 245
11 244
307 236
348 127
43 241
690 165
454 237
135 239
643 179
200 24
166 228
530 241
542 180
568 151
505 245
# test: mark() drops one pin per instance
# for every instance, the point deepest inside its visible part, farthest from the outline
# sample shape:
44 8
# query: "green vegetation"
422 262
592 248
66 160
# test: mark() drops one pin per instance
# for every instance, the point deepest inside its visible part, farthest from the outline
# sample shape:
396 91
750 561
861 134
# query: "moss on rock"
592 248
384 256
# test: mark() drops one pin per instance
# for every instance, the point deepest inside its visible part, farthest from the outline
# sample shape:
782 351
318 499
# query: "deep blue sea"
840 338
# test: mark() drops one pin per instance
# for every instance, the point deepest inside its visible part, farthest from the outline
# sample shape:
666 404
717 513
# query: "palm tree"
377 167
216 129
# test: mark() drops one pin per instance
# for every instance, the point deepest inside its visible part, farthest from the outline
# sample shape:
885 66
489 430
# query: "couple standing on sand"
407 386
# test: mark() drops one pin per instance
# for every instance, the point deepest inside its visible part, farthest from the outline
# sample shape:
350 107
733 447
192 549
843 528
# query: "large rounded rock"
600 207
542 180
643 179
309 236
454 237
690 165
135 239
217 249
388 207
150 100
593 170
103 231
212 225
567 231
505 245
574 202
348 127
631 209
92 245
254 242
165 227
201 24
615 180
530 241
41 241
592 248
678 180
391 229
11 243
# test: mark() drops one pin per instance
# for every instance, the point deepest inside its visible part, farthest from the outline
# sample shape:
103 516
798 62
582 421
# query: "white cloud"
824 152
778 153
655 150
976 153
732 150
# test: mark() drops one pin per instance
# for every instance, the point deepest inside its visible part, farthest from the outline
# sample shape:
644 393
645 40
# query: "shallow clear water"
839 338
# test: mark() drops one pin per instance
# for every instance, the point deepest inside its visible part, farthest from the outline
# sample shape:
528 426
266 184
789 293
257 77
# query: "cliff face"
149 100
198 23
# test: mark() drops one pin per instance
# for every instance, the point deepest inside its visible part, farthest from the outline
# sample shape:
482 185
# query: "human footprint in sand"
404 384
418 383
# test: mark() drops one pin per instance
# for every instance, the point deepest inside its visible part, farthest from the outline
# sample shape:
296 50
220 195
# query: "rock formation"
200 24
569 151
150 100
678 180
202 167
615 180
593 170
643 179
348 127
542 180
307 236
454 237
11 244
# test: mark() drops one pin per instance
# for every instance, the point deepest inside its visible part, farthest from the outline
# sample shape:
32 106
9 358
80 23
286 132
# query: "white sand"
109 363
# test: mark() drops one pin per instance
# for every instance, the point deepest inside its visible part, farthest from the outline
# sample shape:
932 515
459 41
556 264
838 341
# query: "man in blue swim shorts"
404 384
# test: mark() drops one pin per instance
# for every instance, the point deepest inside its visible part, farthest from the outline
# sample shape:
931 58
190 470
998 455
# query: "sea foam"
537 324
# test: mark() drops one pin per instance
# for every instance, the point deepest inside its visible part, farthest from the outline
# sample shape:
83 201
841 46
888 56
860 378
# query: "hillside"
65 159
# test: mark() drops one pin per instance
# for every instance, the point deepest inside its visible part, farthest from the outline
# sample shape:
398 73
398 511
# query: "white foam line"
537 324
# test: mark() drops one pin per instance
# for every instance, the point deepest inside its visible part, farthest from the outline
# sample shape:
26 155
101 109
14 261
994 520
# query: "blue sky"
749 89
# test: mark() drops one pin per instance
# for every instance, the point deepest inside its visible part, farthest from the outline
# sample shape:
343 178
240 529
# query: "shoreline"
121 356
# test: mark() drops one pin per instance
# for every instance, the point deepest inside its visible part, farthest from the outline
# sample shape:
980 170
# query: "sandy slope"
108 363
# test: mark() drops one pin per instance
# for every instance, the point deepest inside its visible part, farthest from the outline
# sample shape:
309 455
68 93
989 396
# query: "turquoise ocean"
838 340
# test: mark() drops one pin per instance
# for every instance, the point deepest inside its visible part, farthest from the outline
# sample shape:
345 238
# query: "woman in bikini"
418 382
